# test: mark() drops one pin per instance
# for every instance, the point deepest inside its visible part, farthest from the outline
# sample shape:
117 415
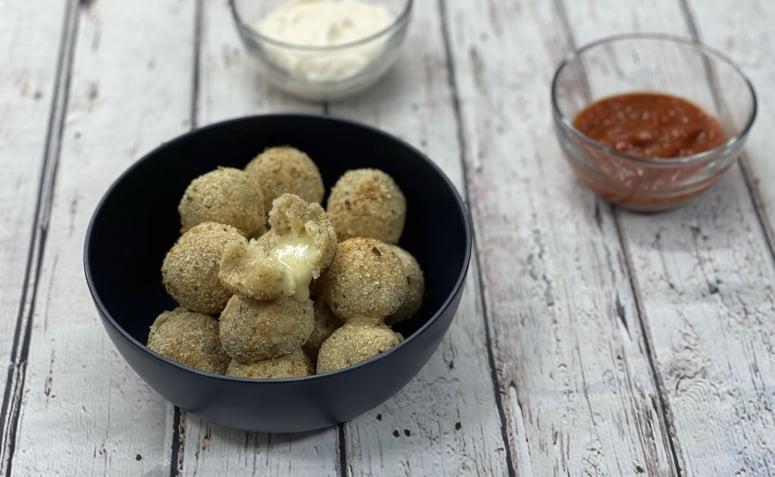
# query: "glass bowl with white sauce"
322 49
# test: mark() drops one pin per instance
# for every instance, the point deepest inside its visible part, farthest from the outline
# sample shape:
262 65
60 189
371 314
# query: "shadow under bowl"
136 222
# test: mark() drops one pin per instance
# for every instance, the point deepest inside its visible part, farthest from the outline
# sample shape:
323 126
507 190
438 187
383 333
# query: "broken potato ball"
253 330
189 338
354 342
299 245
365 280
293 365
285 169
367 203
190 268
227 196
415 287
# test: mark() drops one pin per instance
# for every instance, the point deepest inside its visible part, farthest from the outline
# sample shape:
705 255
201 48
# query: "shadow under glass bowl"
650 63
307 71
136 222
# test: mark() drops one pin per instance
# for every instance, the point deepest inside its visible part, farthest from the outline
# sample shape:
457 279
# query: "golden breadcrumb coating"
293 365
365 280
284 169
367 203
256 330
188 338
190 268
227 196
299 246
354 342
416 287
325 324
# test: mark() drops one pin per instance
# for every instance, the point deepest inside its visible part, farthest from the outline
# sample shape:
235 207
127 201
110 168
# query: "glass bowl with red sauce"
650 121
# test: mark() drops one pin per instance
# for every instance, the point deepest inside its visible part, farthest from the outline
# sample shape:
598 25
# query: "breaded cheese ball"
293 365
416 287
367 203
299 246
365 280
190 269
188 338
253 330
325 324
284 169
354 342
227 196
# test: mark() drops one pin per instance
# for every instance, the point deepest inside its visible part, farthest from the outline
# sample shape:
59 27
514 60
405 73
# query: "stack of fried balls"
270 285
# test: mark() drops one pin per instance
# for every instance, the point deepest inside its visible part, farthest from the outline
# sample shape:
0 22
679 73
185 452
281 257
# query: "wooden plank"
571 358
29 81
446 420
229 87
744 32
705 276
130 91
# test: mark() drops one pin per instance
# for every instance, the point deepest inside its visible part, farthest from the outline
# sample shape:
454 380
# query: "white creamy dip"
324 23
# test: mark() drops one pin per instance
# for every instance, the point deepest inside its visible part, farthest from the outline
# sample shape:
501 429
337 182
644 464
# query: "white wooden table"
590 341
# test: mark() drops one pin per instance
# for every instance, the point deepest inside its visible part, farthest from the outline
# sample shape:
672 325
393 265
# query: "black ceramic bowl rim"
461 206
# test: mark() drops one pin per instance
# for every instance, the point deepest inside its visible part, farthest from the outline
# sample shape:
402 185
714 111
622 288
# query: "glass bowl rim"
246 29
699 47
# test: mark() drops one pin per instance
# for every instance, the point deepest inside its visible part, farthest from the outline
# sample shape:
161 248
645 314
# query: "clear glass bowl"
650 63
273 57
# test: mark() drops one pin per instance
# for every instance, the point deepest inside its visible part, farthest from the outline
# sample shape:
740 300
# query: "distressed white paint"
229 87
446 418
744 32
705 278
29 44
84 411
570 355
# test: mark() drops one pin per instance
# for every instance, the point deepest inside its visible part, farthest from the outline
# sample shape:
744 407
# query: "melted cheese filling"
297 256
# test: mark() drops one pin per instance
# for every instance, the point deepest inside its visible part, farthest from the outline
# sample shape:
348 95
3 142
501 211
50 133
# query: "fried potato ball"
284 169
367 203
189 338
190 269
325 324
415 290
354 342
299 246
365 280
293 365
227 196
252 330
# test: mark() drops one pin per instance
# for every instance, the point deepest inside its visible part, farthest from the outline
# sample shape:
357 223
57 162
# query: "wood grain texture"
568 345
705 276
30 81
445 421
229 87
84 411
744 32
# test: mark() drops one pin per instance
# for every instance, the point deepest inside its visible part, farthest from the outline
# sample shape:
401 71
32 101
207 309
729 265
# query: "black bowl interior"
137 221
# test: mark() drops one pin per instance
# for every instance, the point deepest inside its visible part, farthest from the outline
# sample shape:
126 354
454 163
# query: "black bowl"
136 222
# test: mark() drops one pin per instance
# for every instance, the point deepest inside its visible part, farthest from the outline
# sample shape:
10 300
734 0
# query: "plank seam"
342 450
452 82
9 415
663 406
178 442
177 449
749 180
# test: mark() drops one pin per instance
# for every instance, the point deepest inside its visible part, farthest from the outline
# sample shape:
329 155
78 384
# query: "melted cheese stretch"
297 256
325 23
